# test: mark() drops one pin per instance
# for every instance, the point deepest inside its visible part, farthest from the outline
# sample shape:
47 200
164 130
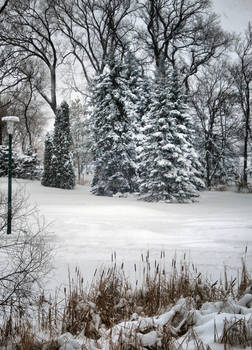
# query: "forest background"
53 50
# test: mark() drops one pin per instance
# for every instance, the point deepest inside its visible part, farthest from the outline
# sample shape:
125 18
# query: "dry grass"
192 338
111 299
237 333
246 281
114 299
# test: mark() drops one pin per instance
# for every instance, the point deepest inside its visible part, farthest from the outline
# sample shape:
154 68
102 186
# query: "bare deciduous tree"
25 255
24 103
242 74
29 34
3 5
217 121
182 32
98 31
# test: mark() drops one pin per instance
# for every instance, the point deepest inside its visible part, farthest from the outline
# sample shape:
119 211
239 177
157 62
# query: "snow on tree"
24 166
167 161
58 164
185 127
48 176
111 126
62 161
139 86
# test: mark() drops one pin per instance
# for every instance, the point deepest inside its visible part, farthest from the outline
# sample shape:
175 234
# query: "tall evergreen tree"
48 173
58 165
139 86
113 145
62 161
167 168
185 128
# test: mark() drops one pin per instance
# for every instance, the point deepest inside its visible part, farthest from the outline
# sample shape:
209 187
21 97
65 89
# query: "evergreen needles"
58 167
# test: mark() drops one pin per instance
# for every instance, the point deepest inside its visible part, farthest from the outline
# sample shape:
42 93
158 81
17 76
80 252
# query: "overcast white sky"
235 14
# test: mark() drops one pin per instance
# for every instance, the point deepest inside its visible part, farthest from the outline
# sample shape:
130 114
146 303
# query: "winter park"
125 175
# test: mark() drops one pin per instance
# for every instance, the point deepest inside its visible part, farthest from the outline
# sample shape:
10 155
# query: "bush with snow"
23 166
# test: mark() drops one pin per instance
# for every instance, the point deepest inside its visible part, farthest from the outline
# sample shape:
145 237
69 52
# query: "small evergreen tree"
113 145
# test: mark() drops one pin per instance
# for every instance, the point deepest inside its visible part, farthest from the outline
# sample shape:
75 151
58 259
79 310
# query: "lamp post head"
10 123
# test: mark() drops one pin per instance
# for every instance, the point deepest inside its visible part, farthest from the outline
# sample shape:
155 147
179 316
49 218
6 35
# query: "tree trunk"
1 131
53 90
245 152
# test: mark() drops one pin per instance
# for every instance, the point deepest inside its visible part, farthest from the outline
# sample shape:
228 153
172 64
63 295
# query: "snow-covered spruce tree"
167 159
111 129
48 176
139 87
62 158
181 113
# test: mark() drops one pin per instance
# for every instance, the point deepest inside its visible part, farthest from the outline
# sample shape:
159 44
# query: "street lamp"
10 128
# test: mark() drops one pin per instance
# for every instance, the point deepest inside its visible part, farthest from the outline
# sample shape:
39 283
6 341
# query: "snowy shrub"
4 151
23 166
27 167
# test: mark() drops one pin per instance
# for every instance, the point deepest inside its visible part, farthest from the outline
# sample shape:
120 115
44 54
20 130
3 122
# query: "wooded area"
127 59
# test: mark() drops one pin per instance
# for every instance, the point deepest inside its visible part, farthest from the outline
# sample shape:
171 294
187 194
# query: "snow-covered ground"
86 229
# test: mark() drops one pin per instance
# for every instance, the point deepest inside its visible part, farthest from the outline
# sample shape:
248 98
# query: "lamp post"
10 128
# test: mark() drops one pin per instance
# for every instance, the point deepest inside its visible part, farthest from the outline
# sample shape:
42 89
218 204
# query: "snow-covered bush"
4 151
27 167
23 166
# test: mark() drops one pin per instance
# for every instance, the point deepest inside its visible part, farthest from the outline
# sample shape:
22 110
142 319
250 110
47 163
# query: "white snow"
147 331
86 229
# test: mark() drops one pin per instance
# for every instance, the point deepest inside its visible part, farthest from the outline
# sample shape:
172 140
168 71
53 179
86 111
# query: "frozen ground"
86 229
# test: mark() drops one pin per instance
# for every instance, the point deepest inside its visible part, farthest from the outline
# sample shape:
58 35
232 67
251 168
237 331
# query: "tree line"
99 42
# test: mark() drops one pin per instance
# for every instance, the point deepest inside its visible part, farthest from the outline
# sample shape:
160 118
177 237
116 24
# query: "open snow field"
87 229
